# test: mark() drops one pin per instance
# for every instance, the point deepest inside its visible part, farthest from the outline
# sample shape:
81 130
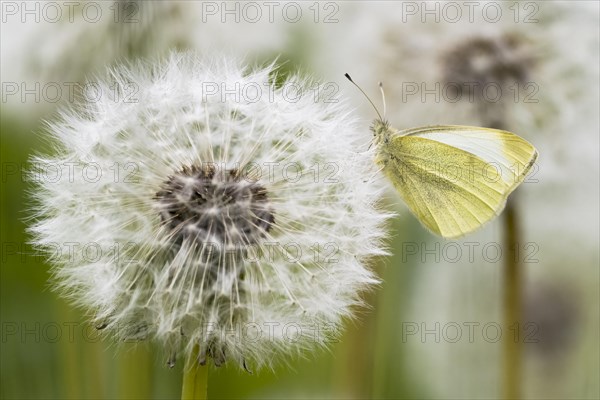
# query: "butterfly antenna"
383 99
363 92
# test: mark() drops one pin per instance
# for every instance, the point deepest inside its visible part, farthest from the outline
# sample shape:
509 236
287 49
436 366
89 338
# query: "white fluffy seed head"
206 205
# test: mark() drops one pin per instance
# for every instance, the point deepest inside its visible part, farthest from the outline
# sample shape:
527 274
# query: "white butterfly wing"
457 178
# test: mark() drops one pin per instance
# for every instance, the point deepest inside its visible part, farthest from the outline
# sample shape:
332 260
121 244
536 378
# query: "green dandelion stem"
195 378
512 305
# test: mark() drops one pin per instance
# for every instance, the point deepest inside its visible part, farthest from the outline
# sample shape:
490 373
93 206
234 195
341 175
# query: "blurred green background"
49 350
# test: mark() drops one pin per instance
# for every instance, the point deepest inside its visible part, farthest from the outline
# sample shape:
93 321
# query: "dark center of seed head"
209 205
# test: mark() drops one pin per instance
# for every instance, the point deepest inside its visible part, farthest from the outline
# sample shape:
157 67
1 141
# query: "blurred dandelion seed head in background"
236 215
471 65
555 311
488 59
66 53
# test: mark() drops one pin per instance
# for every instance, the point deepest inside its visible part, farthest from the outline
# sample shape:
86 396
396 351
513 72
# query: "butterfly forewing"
456 178
508 156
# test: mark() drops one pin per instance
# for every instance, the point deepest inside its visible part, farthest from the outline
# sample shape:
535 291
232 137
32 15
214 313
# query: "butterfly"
453 178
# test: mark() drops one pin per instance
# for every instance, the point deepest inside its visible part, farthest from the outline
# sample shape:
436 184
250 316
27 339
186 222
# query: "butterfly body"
453 178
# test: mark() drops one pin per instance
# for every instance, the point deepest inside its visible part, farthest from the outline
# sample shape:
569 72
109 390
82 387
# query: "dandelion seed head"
238 222
555 314
502 59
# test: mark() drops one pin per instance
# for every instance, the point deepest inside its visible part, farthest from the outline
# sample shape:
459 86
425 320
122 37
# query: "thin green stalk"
354 357
135 362
512 301
512 306
71 370
195 378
